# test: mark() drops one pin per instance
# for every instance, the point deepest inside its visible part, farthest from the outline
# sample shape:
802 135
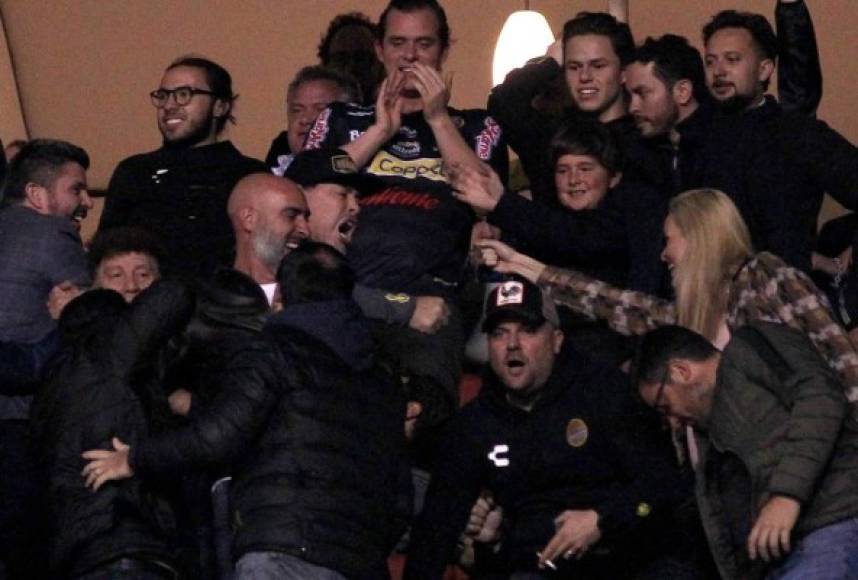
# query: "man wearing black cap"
332 184
582 475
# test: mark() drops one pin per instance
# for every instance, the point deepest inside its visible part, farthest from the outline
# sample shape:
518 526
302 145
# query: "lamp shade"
525 35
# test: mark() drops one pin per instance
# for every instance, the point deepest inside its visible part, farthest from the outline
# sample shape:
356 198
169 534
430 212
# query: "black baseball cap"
521 301
316 166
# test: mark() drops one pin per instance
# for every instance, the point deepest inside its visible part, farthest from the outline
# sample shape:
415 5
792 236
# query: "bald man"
269 218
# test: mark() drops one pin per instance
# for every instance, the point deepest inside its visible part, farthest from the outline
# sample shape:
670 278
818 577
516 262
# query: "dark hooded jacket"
315 431
96 390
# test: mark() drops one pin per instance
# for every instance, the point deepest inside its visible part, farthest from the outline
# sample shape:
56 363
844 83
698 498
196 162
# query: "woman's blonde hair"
717 244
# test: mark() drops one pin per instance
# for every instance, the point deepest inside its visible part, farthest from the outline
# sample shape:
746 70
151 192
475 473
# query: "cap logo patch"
510 293
577 433
343 164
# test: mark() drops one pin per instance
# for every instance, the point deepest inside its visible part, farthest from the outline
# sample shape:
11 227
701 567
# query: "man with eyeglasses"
777 476
179 192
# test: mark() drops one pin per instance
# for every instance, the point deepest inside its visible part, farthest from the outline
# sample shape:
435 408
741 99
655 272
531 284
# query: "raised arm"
799 70
625 311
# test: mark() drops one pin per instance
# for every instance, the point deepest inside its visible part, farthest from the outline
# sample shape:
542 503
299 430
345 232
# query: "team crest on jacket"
577 432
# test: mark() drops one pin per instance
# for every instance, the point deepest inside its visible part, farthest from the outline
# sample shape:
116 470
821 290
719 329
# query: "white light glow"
525 35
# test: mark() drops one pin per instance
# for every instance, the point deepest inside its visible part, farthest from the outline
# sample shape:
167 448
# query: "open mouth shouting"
346 229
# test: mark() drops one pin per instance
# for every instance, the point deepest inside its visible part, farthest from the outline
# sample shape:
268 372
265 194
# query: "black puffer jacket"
315 431
95 391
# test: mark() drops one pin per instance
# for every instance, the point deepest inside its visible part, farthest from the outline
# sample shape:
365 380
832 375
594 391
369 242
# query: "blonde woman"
719 283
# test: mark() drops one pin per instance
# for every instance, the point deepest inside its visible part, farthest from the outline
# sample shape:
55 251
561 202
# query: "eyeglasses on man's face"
182 95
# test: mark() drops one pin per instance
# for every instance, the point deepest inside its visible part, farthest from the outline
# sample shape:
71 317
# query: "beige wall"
11 117
85 66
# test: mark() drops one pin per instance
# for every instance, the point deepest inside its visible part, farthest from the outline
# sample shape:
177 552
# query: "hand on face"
434 91
388 104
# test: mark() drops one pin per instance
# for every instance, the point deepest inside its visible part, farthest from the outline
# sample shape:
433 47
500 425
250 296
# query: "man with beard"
776 481
414 235
179 191
804 156
585 480
45 195
269 219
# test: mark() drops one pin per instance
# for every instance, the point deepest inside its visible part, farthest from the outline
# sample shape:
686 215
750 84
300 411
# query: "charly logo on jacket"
386 165
497 455
577 432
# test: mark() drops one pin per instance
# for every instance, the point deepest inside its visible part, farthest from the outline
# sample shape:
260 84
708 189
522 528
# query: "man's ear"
248 218
221 108
557 340
766 70
680 371
443 58
36 197
379 50
682 92
615 179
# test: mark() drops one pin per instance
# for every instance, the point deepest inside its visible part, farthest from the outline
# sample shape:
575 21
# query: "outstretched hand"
502 258
480 187
105 465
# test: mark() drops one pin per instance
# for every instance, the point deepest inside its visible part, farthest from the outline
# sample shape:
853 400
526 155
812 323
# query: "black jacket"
179 195
96 389
230 307
315 431
586 444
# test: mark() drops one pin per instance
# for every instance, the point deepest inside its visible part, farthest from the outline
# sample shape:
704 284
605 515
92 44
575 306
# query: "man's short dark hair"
587 136
674 59
602 24
346 83
218 79
413 6
39 161
756 24
357 19
123 240
664 344
314 272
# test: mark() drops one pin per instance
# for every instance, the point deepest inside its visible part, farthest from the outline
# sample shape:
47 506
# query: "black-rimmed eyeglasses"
182 95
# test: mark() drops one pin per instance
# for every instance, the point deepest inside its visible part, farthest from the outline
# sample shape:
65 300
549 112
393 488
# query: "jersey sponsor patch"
577 433
488 139
320 129
386 165
408 149
408 132
401 197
